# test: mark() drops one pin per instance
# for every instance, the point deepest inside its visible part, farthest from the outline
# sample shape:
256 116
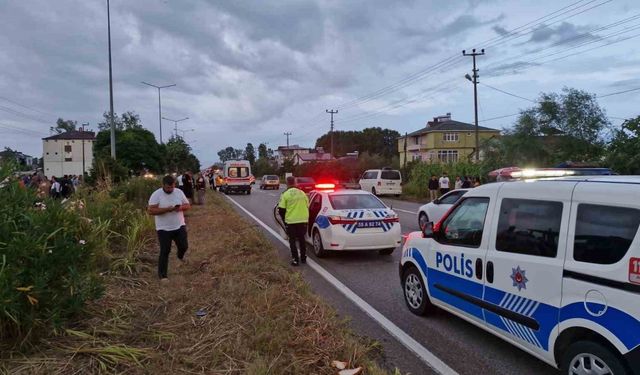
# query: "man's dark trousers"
296 232
165 237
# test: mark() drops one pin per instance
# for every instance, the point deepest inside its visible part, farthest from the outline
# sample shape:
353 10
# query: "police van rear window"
272 178
604 233
353 201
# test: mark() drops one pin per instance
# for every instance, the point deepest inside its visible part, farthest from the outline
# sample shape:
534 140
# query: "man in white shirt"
167 204
444 184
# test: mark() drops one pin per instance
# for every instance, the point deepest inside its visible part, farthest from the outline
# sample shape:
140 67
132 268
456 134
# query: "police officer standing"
294 210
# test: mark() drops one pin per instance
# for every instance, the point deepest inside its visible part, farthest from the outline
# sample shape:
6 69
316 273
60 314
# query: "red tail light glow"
341 220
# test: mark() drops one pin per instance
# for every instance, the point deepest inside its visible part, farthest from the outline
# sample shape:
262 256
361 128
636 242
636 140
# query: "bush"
48 255
136 190
418 175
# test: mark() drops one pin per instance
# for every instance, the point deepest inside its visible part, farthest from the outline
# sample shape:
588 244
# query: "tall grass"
420 173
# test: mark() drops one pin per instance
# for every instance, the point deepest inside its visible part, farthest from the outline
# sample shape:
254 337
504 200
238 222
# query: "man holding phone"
167 205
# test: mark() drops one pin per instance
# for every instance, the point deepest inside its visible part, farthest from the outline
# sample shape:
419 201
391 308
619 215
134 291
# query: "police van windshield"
238 172
352 201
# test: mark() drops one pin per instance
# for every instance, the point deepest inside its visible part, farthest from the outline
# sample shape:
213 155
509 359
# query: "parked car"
433 211
551 266
382 181
306 184
270 181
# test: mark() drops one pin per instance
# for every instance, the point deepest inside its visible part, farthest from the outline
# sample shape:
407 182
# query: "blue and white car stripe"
522 306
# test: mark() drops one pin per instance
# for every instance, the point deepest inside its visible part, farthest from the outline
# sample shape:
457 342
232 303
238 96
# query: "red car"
306 184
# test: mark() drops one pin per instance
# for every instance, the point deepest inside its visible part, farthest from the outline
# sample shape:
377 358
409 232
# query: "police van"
551 266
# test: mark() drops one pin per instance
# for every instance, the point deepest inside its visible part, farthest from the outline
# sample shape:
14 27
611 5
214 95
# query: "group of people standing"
193 187
442 185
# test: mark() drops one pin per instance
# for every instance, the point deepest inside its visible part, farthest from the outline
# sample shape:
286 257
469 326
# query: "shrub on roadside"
48 255
420 173
136 190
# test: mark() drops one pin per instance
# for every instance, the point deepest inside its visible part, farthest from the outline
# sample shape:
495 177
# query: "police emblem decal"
519 278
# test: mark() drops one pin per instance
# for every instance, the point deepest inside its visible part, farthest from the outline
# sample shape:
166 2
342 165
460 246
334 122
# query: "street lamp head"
482 50
468 77
464 51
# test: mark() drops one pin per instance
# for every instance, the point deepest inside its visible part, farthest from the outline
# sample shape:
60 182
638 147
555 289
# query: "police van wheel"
415 292
388 251
318 249
588 357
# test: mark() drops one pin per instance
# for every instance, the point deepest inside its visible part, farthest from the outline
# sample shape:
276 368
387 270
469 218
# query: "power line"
24 115
26 107
508 93
618 93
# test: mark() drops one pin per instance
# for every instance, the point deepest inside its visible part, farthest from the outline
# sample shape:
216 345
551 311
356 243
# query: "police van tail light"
341 220
391 219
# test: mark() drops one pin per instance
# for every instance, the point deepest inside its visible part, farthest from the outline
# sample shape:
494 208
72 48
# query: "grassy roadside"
234 309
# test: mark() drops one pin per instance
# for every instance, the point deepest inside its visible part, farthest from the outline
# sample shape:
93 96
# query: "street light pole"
159 104
112 122
175 123
475 94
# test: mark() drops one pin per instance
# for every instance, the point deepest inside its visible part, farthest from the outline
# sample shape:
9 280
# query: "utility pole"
113 125
175 123
405 152
473 54
287 134
332 112
159 104
83 129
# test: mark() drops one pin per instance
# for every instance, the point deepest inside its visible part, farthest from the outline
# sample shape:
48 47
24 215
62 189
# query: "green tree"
250 153
562 127
136 148
63 126
179 157
262 151
230 153
374 140
128 120
624 148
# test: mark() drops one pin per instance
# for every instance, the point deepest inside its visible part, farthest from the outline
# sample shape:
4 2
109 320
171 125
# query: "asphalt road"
374 278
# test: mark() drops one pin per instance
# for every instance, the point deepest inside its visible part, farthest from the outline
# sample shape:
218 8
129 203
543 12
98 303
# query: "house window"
416 157
450 137
448 156
416 140
67 153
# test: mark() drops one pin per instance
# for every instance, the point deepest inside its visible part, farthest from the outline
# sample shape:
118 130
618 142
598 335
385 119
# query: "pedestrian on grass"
167 205
443 182
458 184
55 189
476 181
294 211
187 186
433 188
201 188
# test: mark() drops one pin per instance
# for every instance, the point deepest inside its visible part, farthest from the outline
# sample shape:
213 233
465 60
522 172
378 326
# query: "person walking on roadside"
458 184
476 181
167 205
187 186
201 188
444 184
294 211
433 188
55 188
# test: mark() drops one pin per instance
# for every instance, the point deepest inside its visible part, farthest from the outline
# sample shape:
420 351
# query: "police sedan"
341 219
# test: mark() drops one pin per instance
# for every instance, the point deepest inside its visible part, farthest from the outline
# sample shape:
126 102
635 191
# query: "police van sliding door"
460 244
523 268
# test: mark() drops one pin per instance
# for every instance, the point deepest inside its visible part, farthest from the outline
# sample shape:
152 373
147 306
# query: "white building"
67 153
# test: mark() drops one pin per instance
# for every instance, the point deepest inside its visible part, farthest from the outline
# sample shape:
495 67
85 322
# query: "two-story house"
68 153
443 140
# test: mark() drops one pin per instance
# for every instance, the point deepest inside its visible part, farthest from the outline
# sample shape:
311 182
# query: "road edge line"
405 339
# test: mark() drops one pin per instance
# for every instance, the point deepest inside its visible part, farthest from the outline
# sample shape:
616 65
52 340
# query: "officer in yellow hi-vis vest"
294 210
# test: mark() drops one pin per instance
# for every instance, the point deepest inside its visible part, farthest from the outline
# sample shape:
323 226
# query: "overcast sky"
248 71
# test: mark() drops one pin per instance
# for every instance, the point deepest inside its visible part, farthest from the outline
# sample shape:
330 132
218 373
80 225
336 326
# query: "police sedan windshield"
353 201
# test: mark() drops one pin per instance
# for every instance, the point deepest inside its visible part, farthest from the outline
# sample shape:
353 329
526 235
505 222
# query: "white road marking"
401 210
409 342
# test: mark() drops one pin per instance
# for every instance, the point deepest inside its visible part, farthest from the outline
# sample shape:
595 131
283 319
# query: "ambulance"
551 266
237 177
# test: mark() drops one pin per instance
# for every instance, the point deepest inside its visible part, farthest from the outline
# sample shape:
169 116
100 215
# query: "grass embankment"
234 309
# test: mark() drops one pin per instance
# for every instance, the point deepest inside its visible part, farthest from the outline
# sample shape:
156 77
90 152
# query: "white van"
237 176
382 181
550 266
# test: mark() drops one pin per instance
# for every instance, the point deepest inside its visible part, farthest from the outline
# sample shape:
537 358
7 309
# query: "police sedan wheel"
318 249
413 291
587 364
